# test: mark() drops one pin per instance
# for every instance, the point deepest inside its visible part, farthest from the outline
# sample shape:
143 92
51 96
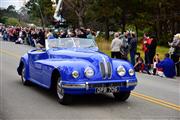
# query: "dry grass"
104 46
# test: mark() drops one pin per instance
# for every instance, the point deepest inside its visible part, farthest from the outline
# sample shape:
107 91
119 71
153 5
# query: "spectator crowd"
126 43
36 36
121 46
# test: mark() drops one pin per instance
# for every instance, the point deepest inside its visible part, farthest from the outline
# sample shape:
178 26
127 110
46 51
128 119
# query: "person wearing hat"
175 51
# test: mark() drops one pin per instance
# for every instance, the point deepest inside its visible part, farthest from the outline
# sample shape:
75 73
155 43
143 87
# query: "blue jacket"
168 67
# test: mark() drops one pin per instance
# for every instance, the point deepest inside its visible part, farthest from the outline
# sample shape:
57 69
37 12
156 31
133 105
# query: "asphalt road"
154 98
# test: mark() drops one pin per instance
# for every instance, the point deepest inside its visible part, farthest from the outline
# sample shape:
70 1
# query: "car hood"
82 58
83 54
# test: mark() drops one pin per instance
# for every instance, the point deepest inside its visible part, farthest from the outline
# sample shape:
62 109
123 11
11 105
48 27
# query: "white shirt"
115 45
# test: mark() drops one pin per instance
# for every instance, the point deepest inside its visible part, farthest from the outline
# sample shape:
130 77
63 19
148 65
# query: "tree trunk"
123 21
158 27
177 27
42 22
136 31
81 21
158 30
106 29
173 25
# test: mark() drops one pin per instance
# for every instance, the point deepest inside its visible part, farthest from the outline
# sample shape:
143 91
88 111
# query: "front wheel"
63 98
24 81
122 96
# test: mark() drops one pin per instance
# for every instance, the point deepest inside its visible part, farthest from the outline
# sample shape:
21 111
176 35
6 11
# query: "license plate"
107 90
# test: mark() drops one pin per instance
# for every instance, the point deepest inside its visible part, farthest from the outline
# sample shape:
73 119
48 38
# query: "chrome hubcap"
60 90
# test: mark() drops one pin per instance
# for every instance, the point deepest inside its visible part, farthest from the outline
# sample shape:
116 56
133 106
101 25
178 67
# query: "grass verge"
104 46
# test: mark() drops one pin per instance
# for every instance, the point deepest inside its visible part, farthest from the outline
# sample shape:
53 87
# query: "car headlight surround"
131 72
89 72
121 71
75 74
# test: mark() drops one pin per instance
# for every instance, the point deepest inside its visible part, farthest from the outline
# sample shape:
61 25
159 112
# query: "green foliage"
104 15
160 17
9 12
9 16
77 9
40 9
12 21
11 8
3 19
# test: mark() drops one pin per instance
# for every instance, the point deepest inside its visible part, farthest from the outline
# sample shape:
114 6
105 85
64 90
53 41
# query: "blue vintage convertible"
75 66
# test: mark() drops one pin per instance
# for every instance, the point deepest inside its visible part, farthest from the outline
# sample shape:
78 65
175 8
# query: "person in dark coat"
41 41
133 48
152 49
167 66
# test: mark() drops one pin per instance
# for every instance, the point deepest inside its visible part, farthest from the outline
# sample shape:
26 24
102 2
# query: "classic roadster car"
75 66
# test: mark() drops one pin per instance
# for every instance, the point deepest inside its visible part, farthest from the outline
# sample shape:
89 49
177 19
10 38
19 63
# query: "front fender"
24 63
64 67
116 63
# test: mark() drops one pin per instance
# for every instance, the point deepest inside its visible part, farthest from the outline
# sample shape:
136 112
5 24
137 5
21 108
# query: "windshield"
70 43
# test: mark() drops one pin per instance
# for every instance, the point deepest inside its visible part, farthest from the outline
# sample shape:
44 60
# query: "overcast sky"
17 3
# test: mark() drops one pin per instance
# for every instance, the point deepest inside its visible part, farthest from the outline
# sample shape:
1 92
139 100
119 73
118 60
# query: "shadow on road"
78 100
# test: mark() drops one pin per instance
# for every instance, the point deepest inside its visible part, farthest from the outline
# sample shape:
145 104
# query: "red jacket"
146 43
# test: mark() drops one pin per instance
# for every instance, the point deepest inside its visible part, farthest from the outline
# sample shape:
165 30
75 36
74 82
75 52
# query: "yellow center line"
153 101
10 53
157 101
135 94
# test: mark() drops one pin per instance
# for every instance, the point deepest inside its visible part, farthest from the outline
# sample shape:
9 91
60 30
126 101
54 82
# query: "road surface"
154 97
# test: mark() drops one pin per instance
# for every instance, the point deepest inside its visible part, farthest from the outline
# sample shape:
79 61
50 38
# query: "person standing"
146 48
175 54
115 47
152 49
5 35
133 48
124 48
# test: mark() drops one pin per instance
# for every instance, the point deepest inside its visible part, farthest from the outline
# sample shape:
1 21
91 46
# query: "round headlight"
89 72
131 72
121 71
75 74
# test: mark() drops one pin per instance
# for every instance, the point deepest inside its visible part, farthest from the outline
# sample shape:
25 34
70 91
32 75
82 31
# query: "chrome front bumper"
88 85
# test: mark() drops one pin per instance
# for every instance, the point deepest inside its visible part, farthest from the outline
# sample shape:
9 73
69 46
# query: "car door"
36 68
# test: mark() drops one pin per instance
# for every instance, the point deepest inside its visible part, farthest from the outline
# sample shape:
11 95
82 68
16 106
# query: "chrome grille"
109 70
102 68
106 70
